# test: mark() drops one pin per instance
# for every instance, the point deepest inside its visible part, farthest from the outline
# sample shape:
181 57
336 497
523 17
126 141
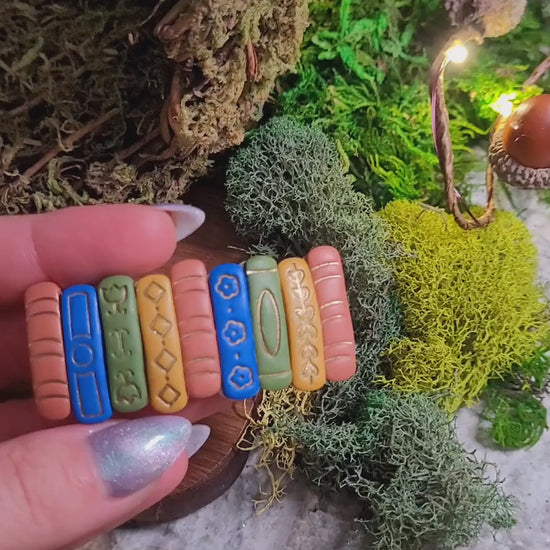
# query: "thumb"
62 486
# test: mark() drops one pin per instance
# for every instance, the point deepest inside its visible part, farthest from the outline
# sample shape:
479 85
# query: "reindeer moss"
286 189
397 454
517 419
471 304
287 192
403 461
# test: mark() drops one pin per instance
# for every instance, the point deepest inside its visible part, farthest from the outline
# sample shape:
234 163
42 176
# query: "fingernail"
186 218
132 454
199 434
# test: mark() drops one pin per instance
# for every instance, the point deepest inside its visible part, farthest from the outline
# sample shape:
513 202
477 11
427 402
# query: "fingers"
61 486
78 245
14 354
82 244
24 418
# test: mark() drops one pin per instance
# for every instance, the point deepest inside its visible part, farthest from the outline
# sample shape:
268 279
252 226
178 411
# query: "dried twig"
27 106
89 128
538 73
134 148
174 101
153 13
251 62
171 26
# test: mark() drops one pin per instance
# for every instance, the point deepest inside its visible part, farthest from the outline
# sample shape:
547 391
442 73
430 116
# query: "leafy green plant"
513 405
363 80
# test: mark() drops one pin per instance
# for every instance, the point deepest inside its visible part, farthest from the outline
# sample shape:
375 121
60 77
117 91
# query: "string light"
503 105
457 53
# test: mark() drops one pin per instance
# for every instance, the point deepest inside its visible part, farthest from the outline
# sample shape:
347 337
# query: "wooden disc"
211 471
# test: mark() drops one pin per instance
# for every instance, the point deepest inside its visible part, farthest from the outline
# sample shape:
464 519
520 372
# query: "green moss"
402 459
517 419
287 189
170 103
472 307
513 405
363 79
397 454
501 66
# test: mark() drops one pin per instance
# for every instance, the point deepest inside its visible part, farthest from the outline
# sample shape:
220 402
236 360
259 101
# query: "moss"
223 94
100 94
398 455
286 188
403 461
500 67
471 304
363 79
65 64
287 192
517 419
513 405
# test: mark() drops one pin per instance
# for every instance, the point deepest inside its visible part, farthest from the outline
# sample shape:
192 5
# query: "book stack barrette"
160 340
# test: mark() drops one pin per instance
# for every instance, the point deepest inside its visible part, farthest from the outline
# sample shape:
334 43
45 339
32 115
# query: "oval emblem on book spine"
270 322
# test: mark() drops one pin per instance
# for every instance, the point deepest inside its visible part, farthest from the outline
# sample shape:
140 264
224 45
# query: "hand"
62 485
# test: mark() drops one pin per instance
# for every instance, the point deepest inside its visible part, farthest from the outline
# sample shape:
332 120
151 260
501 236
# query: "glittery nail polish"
132 454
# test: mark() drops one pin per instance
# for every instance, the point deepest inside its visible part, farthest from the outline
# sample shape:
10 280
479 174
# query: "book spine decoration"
84 355
163 357
123 344
269 321
160 340
46 351
199 345
304 324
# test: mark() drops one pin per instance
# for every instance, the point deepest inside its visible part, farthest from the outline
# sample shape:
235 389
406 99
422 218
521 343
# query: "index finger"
81 244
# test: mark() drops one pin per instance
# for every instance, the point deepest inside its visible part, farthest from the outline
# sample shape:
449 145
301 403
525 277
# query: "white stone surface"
307 521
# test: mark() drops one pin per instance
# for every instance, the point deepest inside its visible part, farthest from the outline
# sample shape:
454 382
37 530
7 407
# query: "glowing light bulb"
503 105
457 53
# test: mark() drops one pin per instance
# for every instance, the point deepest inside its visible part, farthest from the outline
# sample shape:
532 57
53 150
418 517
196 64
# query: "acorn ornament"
520 145
519 148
